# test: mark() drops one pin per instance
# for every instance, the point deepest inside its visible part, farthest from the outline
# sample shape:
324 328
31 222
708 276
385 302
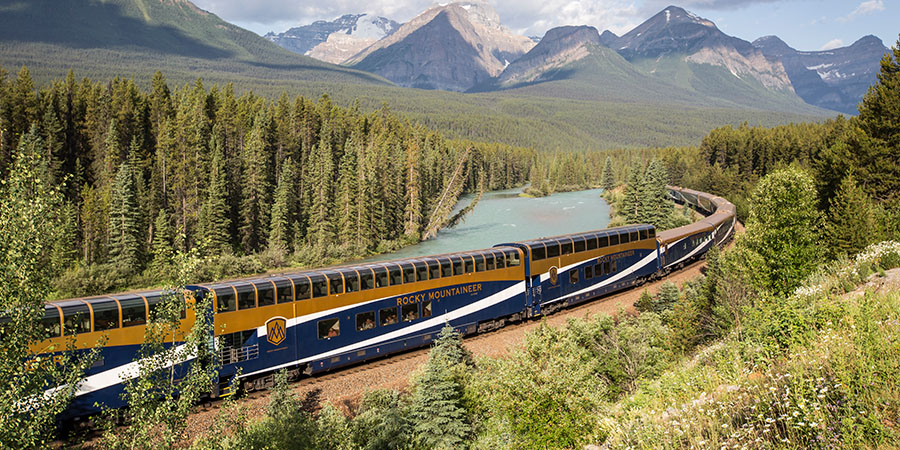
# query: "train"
316 321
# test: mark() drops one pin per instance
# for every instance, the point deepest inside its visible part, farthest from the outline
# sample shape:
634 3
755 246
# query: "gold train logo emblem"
276 330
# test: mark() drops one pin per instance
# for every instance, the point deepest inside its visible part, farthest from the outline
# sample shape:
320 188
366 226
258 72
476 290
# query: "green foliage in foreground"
30 215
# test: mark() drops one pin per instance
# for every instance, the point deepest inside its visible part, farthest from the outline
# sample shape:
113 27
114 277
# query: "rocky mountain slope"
834 79
676 32
335 41
448 47
559 47
139 37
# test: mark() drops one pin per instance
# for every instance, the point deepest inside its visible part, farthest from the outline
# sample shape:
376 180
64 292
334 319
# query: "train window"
598 270
501 260
396 276
614 239
512 258
381 277
552 250
266 294
329 328
51 323
155 303
479 263
434 269
388 316
237 339
591 243
106 315
573 276
303 290
365 321
602 241
246 298
538 253
457 268
367 281
489 262
422 272
319 287
335 283
634 236
76 319
409 274
624 238
352 281
134 312
426 309
606 270
643 235
652 233
470 264
285 292
446 268
410 312
225 300
566 248
588 272
613 268
580 245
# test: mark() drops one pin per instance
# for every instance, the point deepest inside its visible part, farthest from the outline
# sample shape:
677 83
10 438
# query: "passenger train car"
316 321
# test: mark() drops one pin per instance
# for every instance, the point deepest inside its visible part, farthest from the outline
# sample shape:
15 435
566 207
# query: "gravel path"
345 387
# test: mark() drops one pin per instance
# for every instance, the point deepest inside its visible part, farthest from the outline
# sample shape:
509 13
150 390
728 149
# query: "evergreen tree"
347 199
65 246
852 223
656 208
439 418
608 177
161 247
124 220
283 209
632 197
215 222
413 213
878 168
321 228
256 190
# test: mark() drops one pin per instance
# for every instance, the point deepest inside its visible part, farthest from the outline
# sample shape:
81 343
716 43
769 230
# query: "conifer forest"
147 174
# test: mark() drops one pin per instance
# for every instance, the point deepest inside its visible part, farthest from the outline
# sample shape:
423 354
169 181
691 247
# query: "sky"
803 24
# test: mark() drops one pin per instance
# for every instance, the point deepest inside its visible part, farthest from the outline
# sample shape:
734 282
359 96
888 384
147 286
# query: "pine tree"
608 177
852 223
124 219
656 208
878 168
283 209
347 199
413 214
65 247
215 222
321 176
161 248
256 189
632 198
439 418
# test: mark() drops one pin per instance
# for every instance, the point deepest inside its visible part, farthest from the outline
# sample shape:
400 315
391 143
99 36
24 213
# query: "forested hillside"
147 174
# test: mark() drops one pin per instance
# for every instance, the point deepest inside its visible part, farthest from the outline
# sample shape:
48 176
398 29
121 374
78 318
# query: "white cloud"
529 17
834 43
864 8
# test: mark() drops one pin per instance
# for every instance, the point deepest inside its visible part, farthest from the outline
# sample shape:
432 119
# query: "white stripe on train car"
693 252
491 300
631 269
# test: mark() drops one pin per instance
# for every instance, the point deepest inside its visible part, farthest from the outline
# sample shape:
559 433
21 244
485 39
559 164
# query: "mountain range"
568 90
337 40
462 46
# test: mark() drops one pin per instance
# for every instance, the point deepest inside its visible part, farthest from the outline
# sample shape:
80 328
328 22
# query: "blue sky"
803 24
